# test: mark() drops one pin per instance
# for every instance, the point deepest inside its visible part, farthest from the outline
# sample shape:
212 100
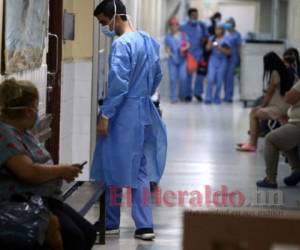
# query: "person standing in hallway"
214 21
219 46
235 40
176 46
197 34
132 144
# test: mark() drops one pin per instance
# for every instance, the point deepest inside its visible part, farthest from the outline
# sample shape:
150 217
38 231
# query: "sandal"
246 147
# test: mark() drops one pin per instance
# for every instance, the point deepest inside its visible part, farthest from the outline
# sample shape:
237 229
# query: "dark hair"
191 11
107 8
293 53
272 62
217 15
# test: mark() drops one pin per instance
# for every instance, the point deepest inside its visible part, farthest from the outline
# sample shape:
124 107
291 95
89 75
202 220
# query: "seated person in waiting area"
280 80
284 139
26 168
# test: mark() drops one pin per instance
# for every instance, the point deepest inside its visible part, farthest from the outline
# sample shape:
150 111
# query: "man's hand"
102 127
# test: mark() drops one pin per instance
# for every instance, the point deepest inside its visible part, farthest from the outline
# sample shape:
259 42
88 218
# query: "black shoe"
108 231
188 99
293 179
266 184
153 186
144 234
199 98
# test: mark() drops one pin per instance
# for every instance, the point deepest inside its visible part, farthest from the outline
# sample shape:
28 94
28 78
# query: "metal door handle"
57 45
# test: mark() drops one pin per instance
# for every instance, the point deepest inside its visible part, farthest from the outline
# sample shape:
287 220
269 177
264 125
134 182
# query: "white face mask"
106 30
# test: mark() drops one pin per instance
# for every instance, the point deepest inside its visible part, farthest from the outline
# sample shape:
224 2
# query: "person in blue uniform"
235 40
132 144
220 52
197 34
176 46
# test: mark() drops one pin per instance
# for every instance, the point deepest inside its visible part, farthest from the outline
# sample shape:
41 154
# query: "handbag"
202 67
191 63
23 225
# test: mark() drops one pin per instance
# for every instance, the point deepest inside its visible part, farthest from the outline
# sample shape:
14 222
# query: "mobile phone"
82 164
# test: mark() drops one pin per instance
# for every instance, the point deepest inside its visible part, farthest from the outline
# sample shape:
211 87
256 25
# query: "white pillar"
275 18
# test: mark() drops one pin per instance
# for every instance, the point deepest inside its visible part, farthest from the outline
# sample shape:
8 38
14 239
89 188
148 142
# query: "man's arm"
118 80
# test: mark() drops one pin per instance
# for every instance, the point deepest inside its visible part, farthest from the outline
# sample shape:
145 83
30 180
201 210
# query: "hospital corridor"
202 153
149 124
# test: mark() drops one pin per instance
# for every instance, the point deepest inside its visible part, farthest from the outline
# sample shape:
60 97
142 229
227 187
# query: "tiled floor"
201 153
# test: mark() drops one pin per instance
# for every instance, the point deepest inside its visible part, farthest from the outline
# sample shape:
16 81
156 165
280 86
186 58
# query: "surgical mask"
228 26
106 31
193 21
37 119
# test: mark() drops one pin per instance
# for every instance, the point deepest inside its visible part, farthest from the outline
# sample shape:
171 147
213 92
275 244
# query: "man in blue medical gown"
197 34
132 144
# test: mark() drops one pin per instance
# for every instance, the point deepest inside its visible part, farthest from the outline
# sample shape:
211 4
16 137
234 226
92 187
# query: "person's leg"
219 81
188 86
183 79
85 226
256 116
141 196
141 200
285 139
210 81
294 161
198 91
229 81
173 75
113 199
73 236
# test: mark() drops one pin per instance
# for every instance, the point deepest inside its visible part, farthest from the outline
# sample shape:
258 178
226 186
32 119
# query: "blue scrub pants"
216 75
177 72
229 79
141 207
198 89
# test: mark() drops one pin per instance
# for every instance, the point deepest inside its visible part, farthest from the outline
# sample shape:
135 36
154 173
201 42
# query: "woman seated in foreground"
26 168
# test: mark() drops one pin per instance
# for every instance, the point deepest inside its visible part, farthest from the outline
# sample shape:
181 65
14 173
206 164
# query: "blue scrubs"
177 65
235 40
216 72
134 152
195 33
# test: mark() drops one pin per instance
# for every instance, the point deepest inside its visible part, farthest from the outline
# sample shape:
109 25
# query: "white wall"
264 16
246 14
76 113
294 23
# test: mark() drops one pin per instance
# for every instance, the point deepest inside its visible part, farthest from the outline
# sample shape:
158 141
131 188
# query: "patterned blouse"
15 142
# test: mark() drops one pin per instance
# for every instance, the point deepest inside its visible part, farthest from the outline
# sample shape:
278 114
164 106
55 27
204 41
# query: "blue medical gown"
174 43
235 41
134 75
216 55
195 33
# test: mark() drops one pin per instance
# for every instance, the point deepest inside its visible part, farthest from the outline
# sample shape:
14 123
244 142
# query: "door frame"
54 62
